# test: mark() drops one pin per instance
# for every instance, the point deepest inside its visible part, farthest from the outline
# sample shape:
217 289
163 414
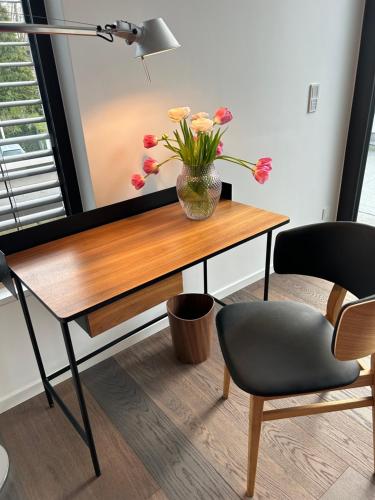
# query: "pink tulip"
261 176
262 170
150 166
219 150
149 141
138 181
222 115
264 164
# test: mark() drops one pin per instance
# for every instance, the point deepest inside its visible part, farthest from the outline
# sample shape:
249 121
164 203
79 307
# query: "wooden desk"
75 274
89 269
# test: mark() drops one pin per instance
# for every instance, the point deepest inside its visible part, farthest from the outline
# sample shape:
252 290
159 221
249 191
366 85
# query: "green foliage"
27 73
199 150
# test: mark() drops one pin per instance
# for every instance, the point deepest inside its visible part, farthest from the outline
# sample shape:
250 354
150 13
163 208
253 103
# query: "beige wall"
257 57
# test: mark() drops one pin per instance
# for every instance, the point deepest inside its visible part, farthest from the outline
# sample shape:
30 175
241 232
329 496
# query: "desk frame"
74 224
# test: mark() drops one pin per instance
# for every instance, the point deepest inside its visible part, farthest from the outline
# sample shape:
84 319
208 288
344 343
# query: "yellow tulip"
178 114
201 114
202 124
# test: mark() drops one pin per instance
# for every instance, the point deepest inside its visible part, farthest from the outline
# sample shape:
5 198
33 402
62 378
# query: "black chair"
280 349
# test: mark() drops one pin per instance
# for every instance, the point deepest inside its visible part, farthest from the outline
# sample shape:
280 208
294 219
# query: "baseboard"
239 284
17 397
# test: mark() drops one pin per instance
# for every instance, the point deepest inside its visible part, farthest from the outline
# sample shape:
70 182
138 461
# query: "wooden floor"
162 432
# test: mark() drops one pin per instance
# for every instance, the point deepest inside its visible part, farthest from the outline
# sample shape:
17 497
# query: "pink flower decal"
150 166
149 141
262 170
219 149
223 115
138 181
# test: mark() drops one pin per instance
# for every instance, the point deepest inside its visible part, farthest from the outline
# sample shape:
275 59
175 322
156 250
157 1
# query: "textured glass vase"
198 189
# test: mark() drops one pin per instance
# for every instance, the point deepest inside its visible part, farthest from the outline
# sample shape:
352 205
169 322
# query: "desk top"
76 273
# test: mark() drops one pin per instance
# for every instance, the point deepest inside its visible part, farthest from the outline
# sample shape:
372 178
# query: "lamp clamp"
130 32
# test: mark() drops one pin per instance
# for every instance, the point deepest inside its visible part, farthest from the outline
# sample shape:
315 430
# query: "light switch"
313 97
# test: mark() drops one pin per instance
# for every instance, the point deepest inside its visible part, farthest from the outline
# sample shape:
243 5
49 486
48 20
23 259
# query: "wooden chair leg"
373 407
255 425
226 383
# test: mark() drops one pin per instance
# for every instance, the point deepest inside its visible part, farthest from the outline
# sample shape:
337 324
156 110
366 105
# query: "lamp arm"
48 29
123 29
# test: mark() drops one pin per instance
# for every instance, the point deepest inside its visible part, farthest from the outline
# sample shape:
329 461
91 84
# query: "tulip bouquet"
197 145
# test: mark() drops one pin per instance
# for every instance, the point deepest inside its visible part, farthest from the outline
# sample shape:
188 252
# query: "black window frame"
362 115
49 86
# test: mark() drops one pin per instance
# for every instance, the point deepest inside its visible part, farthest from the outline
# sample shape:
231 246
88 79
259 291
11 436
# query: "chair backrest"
354 333
340 252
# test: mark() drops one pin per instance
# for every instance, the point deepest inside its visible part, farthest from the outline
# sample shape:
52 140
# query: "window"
32 182
360 143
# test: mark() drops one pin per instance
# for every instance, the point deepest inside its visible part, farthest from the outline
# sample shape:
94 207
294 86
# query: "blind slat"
25 220
22 121
17 64
14 44
31 188
28 156
26 102
14 168
25 83
25 205
24 138
19 174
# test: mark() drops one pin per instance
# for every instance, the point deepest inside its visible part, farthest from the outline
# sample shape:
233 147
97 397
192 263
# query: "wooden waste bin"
191 320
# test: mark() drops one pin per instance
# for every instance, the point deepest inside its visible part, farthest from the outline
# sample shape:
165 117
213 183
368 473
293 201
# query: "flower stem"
175 157
238 161
162 163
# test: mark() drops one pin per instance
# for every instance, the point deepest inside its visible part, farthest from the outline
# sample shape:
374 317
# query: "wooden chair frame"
257 415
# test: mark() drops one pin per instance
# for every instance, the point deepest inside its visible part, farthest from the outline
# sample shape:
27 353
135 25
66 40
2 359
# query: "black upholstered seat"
280 348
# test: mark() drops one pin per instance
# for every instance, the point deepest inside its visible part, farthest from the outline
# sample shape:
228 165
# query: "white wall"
255 56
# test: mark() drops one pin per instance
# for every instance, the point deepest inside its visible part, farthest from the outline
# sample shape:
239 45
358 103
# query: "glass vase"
198 189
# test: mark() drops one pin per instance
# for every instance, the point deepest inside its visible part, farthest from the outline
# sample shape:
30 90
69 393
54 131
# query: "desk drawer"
123 309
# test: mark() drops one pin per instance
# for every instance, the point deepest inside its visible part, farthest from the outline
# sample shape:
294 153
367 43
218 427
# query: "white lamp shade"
156 37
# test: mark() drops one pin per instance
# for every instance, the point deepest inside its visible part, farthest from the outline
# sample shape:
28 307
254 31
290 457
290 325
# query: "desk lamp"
150 37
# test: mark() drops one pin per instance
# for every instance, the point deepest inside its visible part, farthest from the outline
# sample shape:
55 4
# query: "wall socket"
326 214
313 97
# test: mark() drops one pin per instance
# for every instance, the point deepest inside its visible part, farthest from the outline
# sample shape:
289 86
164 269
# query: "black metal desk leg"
205 279
34 342
80 396
268 260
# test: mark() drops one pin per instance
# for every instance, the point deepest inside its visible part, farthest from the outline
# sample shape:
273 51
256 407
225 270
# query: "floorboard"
49 461
163 432
177 466
350 486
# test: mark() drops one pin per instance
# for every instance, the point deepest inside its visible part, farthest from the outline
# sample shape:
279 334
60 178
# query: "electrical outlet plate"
313 97
326 213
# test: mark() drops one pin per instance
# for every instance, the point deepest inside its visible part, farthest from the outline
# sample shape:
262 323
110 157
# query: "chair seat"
280 348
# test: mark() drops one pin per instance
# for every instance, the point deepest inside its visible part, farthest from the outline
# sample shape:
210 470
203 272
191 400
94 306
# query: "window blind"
30 191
